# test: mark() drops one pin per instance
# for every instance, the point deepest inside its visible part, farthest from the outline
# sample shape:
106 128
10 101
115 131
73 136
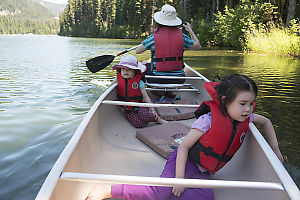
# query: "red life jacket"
168 43
218 145
129 89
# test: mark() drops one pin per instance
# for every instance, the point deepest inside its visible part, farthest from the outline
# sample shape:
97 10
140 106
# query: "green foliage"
24 16
203 30
11 25
232 25
294 27
215 22
275 41
106 18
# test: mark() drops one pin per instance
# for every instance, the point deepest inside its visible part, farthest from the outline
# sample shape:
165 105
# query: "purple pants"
139 117
141 192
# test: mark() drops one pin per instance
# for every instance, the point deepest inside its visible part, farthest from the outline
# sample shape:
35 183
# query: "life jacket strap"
167 59
208 151
135 97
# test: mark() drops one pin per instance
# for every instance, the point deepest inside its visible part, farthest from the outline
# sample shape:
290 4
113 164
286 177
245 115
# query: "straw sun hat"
131 62
167 16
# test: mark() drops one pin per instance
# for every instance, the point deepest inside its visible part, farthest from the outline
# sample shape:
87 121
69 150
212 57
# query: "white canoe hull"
105 143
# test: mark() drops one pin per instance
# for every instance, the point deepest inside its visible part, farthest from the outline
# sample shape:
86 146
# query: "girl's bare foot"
161 121
99 192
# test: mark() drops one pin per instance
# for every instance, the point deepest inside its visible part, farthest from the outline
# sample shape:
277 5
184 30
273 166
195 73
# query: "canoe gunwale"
287 182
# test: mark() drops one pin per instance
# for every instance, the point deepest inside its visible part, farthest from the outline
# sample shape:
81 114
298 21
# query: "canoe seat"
163 139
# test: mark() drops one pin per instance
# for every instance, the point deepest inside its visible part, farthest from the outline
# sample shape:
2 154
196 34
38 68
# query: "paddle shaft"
126 50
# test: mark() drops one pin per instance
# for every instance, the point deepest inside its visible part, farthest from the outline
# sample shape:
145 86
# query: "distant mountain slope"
55 9
26 16
24 8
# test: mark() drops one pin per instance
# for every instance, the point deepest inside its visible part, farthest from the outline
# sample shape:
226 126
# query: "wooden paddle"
100 62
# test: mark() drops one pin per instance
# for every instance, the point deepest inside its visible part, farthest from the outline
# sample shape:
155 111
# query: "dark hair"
159 26
231 85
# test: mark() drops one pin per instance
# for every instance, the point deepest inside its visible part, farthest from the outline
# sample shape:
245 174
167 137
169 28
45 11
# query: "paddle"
100 62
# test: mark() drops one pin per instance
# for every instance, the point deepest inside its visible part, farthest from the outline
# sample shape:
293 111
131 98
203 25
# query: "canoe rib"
157 181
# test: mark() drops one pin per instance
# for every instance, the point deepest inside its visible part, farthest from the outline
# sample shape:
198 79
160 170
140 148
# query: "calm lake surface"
46 90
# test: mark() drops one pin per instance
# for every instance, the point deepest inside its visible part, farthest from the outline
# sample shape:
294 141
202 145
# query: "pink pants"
139 117
144 192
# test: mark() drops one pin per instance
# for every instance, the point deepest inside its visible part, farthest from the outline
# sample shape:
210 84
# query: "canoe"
105 149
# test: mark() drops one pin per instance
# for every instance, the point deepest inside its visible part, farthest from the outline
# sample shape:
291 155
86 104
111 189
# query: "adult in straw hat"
166 45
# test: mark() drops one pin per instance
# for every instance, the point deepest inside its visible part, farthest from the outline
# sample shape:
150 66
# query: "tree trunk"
291 12
186 12
229 3
153 8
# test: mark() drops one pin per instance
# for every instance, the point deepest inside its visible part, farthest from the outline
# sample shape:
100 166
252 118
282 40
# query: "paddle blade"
99 62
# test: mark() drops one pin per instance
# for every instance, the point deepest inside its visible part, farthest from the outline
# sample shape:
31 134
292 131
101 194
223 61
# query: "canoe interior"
108 146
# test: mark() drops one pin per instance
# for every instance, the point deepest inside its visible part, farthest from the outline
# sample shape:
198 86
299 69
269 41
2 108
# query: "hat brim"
140 66
159 19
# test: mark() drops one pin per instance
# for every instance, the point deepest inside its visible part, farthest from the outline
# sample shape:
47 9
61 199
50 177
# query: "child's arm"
269 132
182 155
147 99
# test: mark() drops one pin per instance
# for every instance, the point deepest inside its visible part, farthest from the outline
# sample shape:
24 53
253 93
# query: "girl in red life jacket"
132 89
233 103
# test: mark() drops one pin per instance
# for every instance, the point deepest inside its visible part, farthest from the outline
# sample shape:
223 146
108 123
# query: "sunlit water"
46 90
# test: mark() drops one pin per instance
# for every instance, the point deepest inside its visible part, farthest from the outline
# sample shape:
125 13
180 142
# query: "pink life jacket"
168 43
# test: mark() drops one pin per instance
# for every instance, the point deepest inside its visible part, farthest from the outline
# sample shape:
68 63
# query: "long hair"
230 86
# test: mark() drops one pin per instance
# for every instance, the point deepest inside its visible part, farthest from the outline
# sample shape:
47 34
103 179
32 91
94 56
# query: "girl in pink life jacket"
232 105
166 45
132 89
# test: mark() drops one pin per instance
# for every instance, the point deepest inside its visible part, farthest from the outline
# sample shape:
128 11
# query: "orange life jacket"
168 43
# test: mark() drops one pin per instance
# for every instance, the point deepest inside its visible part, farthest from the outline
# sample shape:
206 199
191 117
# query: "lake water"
46 90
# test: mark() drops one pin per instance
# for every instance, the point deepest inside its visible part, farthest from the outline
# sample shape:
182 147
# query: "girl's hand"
178 190
154 113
